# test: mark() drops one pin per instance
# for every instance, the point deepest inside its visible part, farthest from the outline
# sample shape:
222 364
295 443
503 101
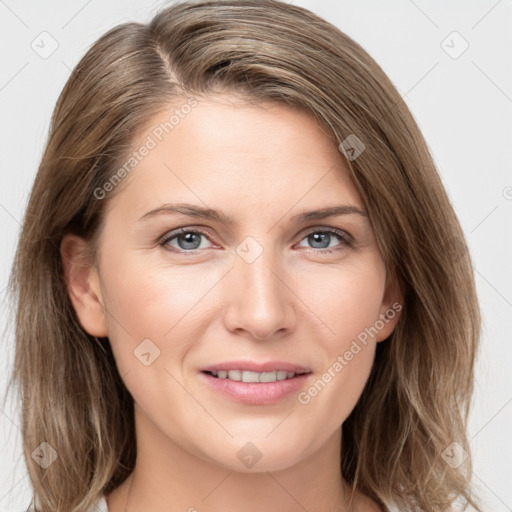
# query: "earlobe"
391 307
83 286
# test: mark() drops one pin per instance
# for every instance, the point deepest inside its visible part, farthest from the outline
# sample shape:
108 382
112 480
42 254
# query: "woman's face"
245 277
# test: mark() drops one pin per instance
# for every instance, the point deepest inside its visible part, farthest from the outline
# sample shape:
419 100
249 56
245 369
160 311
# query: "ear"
391 307
83 286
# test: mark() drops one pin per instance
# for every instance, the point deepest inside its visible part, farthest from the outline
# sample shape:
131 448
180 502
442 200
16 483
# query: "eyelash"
346 239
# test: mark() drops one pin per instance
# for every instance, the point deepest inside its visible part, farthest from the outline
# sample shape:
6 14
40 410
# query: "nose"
259 299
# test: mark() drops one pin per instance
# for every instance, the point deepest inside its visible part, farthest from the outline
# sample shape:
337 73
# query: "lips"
247 376
250 371
256 383
253 366
256 393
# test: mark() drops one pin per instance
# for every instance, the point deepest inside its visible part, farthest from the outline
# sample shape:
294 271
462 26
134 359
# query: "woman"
240 283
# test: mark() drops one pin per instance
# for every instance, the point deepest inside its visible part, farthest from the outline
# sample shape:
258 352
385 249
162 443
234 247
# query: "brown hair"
416 401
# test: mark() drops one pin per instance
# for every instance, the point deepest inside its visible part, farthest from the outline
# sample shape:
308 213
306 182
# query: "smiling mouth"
258 377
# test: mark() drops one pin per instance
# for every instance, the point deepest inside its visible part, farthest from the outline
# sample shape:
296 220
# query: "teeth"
250 376
235 375
281 375
247 376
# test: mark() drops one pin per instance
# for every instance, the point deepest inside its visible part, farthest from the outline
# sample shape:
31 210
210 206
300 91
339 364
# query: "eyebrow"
214 215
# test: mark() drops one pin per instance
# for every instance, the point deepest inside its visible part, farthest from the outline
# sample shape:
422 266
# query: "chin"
254 457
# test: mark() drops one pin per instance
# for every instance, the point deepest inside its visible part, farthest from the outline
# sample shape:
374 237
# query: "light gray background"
463 105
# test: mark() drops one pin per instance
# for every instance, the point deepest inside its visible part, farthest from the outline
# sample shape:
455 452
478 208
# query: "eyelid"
345 236
183 230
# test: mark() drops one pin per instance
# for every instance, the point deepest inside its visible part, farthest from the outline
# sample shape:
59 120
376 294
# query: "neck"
169 478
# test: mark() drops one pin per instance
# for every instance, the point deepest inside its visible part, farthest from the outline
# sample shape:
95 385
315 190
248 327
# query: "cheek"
156 301
334 304
345 299
162 303
348 307
173 306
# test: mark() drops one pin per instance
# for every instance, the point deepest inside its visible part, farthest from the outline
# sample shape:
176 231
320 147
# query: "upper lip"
253 366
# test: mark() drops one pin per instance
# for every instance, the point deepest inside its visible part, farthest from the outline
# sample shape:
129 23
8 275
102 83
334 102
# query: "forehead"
223 148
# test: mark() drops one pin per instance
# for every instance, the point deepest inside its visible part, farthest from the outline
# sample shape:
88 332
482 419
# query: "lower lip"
256 393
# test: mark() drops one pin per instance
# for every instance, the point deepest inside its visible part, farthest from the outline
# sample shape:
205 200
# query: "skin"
260 165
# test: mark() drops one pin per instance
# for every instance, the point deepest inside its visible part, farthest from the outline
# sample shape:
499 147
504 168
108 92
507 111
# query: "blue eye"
190 240
321 239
